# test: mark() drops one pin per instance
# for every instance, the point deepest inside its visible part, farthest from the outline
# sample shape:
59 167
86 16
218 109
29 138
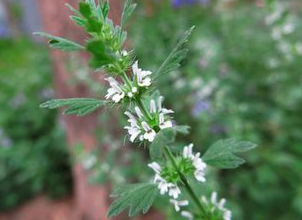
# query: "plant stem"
143 108
185 182
126 80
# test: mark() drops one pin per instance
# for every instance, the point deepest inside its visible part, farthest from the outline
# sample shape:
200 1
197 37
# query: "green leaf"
175 57
77 106
85 9
60 43
101 56
222 153
163 138
128 10
182 129
137 197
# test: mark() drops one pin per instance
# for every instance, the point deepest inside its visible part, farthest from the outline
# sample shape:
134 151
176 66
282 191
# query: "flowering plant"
150 123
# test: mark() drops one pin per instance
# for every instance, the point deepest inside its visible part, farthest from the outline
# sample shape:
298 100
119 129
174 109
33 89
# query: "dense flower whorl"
140 126
197 162
141 77
226 214
163 185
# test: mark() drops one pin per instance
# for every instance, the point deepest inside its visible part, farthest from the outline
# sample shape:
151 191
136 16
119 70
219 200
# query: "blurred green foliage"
242 78
33 156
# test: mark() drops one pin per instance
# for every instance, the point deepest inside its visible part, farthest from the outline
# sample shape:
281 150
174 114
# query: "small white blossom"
163 185
115 92
142 77
187 215
149 133
227 214
199 165
177 204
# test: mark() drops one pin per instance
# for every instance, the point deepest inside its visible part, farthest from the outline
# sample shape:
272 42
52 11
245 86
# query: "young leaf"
175 57
128 10
77 106
60 43
162 139
137 197
222 153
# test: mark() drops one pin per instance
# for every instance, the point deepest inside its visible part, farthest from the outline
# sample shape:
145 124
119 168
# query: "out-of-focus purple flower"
179 3
217 129
199 107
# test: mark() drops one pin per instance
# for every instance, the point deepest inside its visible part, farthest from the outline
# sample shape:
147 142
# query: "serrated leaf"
77 106
222 153
60 43
175 57
137 197
128 10
162 139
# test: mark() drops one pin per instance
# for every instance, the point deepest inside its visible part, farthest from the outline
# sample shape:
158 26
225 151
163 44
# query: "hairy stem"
143 109
185 182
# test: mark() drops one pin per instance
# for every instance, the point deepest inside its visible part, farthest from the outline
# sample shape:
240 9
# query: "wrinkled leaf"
222 153
137 197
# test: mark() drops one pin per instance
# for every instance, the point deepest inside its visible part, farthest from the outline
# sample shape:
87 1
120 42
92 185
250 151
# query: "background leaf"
137 197
221 153
77 106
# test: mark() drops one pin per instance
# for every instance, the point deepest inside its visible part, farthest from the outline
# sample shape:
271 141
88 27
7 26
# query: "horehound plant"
134 89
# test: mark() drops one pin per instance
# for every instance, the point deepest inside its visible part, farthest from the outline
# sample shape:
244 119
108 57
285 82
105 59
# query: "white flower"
187 215
160 109
134 130
227 214
163 185
197 162
174 191
115 92
142 76
177 204
149 133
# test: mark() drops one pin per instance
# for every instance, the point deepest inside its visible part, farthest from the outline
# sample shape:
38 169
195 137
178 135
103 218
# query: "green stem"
126 80
185 182
143 108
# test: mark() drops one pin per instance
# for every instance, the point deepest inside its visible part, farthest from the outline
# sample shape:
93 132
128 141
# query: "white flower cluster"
227 214
197 162
139 127
163 185
117 92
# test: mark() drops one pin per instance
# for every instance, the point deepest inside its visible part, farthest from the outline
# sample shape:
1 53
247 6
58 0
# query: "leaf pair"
222 153
77 106
137 197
